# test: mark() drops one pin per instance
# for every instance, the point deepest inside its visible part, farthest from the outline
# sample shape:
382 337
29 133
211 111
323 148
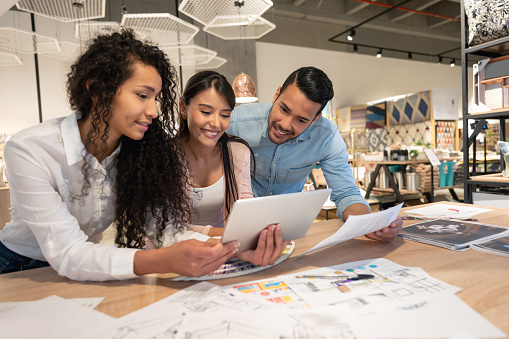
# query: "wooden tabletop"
483 277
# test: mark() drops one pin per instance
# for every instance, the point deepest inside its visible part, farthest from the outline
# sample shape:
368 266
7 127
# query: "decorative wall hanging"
409 134
412 108
377 139
358 117
375 115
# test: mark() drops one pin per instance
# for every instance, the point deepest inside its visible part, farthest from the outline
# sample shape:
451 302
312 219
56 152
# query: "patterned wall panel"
409 109
377 139
358 117
343 119
445 135
409 134
375 116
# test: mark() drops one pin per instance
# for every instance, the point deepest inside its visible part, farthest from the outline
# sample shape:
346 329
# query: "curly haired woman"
106 164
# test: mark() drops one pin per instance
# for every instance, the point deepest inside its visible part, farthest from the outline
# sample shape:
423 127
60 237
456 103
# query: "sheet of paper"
273 290
163 318
52 317
85 302
448 211
438 318
393 285
357 225
328 322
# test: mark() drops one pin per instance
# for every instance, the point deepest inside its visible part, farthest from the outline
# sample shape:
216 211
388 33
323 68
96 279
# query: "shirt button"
97 214
274 165
270 193
98 190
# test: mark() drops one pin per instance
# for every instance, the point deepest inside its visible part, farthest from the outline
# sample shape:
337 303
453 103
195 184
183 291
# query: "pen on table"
344 276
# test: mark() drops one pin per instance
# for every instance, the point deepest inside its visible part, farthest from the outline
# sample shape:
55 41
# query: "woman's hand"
387 233
269 248
190 258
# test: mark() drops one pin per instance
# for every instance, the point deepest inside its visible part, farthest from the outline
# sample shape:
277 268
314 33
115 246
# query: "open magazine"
452 234
499 246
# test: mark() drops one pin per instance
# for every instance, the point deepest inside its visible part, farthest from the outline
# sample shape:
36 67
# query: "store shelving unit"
489 49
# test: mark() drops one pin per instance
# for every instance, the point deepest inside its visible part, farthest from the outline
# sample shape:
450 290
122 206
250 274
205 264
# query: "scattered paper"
448 211
52 317
329 322
357 225
438 318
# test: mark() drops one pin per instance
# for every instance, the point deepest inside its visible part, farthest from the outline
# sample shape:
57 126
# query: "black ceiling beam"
368 20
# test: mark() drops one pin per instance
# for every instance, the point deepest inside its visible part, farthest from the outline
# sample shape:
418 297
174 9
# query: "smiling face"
134 105
291 113
207 117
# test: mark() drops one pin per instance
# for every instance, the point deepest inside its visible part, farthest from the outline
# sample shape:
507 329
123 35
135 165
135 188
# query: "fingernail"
236 244
273 227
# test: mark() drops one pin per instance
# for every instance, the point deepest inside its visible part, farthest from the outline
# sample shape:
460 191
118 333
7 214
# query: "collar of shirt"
73 146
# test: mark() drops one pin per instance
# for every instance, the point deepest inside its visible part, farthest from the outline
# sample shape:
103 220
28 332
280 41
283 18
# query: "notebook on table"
452 234
295 212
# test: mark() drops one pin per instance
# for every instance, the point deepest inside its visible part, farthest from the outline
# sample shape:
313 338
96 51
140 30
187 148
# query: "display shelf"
495 48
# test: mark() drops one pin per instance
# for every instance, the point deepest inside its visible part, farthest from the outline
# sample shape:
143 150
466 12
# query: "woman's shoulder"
238 147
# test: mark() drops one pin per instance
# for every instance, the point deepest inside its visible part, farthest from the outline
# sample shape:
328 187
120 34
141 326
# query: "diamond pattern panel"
415 108
409 134
377 139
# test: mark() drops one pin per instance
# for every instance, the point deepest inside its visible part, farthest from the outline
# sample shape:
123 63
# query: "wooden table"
483 277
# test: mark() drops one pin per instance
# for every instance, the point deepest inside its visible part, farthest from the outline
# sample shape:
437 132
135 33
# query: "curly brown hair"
150 174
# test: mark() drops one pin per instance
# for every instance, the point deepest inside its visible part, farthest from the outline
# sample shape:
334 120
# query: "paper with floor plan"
357 225
392 286
327 322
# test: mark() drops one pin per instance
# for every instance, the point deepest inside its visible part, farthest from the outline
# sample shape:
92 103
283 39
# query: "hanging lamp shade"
244 89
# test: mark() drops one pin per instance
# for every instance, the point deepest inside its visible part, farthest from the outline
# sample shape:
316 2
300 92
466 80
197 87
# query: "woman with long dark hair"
108 163
218 164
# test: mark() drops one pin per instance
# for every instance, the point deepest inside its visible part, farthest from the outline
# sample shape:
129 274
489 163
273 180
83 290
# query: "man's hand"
387 233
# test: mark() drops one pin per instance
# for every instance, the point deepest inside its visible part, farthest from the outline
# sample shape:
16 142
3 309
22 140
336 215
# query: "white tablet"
295 212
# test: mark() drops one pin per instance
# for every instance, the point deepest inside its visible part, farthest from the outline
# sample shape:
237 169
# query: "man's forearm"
356 209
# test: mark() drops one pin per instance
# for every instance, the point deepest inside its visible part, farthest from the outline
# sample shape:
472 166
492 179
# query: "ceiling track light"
440 60
410 56
453 63
350 36
355 48
379 53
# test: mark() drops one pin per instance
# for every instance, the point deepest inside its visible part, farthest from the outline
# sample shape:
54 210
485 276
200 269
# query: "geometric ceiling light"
65 10
214 63
256 30
189 55
222 13
89 29
26 42
68 51
7 59
161 28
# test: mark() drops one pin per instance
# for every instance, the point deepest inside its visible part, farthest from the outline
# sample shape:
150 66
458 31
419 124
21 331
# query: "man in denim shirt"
289 136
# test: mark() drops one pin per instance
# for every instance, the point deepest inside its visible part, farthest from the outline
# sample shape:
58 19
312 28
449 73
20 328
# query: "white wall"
356 78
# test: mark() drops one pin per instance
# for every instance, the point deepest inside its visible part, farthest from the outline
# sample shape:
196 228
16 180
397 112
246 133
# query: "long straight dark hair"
198 83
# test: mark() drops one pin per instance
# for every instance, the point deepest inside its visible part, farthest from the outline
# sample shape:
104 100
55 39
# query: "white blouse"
50 221
207 204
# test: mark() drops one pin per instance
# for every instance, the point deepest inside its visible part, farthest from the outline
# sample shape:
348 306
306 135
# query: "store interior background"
296 42
301 38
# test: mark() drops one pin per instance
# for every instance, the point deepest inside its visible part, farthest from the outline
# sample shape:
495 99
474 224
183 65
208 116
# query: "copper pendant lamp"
244 89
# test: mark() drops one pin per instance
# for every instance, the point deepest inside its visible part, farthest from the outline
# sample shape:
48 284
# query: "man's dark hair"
313 83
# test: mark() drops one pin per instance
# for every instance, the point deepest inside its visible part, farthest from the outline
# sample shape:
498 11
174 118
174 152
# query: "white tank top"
207 204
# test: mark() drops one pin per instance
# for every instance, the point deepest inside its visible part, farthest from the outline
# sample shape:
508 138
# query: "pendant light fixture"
243 86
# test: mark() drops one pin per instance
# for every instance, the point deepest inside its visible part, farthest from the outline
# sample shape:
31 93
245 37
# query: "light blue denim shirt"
282 169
